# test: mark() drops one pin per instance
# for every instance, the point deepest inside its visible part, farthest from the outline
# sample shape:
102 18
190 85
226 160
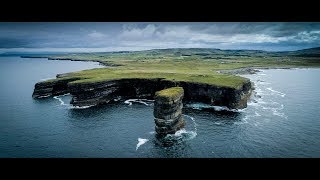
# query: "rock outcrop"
168 111
94 93
52 88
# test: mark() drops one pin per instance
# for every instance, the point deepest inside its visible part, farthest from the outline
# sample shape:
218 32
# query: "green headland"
190 65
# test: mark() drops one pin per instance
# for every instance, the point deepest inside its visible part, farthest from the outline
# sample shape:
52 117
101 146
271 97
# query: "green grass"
180 74
189 65
170 93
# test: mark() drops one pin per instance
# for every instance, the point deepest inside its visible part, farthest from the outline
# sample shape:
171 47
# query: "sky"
122 36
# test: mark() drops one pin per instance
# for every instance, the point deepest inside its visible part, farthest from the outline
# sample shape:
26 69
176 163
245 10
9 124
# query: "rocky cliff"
52 88
85 94
168 111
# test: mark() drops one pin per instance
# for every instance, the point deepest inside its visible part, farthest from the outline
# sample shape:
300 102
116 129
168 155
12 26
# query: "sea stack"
168 111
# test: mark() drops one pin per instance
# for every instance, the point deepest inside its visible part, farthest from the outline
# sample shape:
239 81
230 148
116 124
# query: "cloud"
95 34
134 33
234 35
185 34
308 37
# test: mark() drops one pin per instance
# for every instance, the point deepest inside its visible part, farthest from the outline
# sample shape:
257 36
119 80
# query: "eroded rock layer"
168 110
88 94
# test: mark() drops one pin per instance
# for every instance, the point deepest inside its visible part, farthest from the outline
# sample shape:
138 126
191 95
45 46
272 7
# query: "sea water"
281 120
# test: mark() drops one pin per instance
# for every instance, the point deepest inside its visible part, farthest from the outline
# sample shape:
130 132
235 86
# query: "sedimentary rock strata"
168 110
88 94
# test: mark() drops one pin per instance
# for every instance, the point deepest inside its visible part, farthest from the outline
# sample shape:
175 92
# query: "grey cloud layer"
265 36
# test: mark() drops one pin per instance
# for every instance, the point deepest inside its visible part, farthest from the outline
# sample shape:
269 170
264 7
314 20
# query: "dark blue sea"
282 119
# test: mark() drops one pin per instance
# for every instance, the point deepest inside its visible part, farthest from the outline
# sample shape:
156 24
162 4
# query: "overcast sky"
88 37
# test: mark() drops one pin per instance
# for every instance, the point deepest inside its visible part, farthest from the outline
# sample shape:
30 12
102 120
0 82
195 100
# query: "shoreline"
106 64
94 95
255 70
237 71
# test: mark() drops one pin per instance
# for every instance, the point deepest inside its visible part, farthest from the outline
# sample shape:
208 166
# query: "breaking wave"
184 134
194 122
44 79
146 102
44 96
80 107
141 142
200 106
69 106
264 102
277 92
60 100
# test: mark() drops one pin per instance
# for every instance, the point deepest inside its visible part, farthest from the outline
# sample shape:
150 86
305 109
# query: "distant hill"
208 52
311 52
203 52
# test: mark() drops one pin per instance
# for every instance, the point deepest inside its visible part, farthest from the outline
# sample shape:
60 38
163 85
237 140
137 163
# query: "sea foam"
141 142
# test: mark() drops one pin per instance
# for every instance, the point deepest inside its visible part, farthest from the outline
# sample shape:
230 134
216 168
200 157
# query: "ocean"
281 120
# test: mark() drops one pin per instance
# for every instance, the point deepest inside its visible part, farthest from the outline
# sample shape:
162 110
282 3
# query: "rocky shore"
248 70
90 94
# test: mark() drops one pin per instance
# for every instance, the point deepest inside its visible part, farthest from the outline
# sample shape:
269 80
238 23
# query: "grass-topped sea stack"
168 110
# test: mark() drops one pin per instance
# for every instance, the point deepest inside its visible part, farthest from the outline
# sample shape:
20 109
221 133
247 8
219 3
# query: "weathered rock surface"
84 94
51 88
168 111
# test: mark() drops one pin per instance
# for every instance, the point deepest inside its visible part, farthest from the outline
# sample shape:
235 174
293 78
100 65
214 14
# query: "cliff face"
103 92
51 88
168 111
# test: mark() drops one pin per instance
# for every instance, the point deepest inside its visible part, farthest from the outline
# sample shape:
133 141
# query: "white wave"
187 134
61 101
44 96
200 106
261 92
220 108
217 123
152 132
128 102
273 108
262 74
262 102
253 104
242 110
277 92
263 83
194 122
180 132
141 101
80 107
141 142
257 114
280 114
64 95
247 117
44 79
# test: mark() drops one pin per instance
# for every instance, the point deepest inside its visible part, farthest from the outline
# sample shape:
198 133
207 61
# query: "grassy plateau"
190 65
